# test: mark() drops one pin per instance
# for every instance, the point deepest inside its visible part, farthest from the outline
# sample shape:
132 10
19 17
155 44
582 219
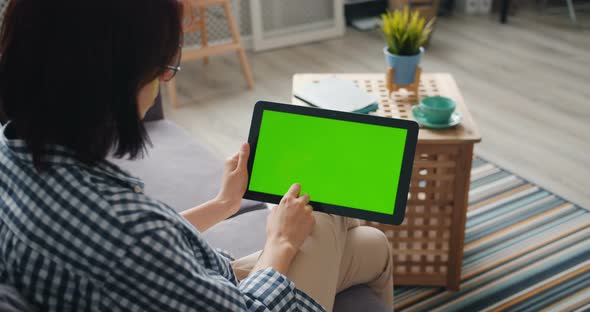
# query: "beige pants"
338 254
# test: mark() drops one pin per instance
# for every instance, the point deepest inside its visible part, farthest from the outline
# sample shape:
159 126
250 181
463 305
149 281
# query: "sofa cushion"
245 234
240 236
178 170
358 298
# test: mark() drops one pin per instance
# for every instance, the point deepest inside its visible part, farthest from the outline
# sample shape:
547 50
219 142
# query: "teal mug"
437 109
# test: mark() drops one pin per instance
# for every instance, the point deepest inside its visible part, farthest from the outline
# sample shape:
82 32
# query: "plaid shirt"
86 238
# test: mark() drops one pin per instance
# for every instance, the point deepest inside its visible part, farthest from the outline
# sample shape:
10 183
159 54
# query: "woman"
77 233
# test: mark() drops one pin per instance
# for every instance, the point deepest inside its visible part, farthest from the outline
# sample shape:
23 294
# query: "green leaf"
405 31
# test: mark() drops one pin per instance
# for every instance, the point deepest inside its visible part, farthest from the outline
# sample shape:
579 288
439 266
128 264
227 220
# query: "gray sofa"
182 173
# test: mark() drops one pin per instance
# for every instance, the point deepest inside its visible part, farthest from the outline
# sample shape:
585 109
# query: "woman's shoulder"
73 202
123 197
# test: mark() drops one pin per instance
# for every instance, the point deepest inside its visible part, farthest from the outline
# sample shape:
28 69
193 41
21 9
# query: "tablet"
350 164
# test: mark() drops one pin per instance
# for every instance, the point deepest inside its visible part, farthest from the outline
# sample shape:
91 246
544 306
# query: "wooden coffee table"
428 245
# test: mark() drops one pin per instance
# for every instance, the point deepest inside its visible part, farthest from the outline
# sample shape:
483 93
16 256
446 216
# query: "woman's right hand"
291 222
287 227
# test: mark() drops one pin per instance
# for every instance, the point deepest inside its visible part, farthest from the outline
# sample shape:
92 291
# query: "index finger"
304 198
294 190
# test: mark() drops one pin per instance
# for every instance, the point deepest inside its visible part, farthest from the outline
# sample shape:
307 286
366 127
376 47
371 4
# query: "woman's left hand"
235 180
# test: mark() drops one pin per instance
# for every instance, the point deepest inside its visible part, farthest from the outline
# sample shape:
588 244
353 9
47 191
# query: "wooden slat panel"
419 240
419 252
429 190
420 279
437 177
434 264
439 202
433 164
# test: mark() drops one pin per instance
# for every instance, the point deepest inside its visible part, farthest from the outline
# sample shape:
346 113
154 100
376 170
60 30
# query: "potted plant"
405 33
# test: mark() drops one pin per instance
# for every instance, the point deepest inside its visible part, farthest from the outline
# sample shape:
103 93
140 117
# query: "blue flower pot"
404 65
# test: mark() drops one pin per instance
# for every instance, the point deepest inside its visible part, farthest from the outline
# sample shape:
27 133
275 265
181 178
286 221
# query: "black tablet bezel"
405 174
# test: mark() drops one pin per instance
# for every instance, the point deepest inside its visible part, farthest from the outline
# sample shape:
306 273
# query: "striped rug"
526 249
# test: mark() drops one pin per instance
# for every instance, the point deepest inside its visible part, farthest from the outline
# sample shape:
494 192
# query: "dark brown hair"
70 71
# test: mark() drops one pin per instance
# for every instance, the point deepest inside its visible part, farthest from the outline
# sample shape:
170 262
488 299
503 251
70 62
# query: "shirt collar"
61 155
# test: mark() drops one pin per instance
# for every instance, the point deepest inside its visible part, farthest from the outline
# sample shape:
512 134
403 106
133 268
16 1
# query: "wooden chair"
199 24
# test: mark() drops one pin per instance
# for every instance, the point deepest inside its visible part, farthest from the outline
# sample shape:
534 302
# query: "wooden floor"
526 83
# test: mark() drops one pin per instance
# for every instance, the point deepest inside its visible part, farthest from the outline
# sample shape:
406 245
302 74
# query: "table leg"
462 182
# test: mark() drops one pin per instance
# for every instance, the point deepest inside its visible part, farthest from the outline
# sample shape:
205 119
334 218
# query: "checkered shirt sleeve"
161 273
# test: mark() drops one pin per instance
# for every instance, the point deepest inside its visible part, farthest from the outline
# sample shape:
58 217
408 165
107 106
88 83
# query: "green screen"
336 162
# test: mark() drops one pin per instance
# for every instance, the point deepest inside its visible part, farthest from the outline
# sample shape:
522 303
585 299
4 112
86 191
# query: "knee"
378 241
385 250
